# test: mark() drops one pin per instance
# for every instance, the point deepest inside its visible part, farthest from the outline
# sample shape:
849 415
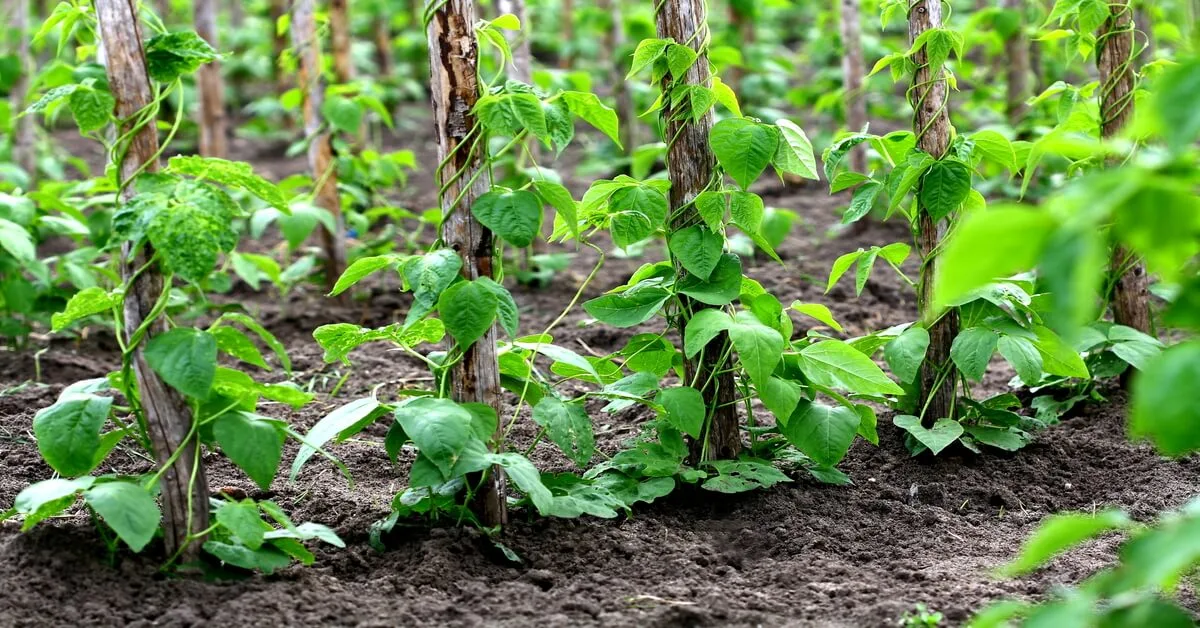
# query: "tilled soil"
907 531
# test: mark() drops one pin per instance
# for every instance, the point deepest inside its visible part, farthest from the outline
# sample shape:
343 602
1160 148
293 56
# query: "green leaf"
42 500
468 309
818 312
627 310
92 108
906 352
721 288
945 186
234 174
171 55
795 152
760 348
1158 412
266 559
835 364
740 476
85 303
972 350
569 427
238 345
17 242
780 396
1024 358
840 266
702 327
746 211
996 148
128 509
744 148
589 108
862 202
243 521
360 269
356 412
823 433
427 276
1058 357
726 96
680 59
515 216
506 307
711 206
527 478
68 432
440 428
647 52
186 359
940 436
685 409
1170 102
637 212
697 249
255 445
988 245
1059 533
560 199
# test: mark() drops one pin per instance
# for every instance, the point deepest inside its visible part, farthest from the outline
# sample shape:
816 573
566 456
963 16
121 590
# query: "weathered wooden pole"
453 62
24 136
339 35
213 137
1016 53
1114 59
320 150
931 123
168 418
690 163
852 73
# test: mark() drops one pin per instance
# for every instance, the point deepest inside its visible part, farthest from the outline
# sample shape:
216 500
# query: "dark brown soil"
907 531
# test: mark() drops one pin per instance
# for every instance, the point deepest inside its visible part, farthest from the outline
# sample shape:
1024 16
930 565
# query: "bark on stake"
931 123
25 140
167 415
453 59
1114 59
320 151
852 72
210 86
1016 52
690 164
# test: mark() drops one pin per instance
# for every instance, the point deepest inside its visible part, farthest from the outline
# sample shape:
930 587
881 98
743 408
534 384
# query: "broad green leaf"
17 242
972 350
85 303
988 245
128 509
744 148
266 559
945 186
234 174
68 432
568 426
589 108
527 479
906 352
711 206
637 211
722 287
1158 411
1060 533
440 428
627 310
685 409
780 396
1058 357
795 152
840 266
92 108
243 521
648 51
697 249
468 310
823 433
746 210
42 500
680 59
820 313
996 148
428 276
759 348
506 307
237 344
742 475
515 216
862 202
1024 358
186 359
360 269
253 444
172 55
943 433
560 199
702 327
835 364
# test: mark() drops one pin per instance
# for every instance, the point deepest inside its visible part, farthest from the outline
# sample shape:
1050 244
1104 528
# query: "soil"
907 531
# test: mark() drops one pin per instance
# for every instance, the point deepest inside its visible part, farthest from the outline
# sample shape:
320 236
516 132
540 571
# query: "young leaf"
171 55
243 521
468 309
703 327
840 266
360 269
795 152
186 359
780 396
1024 358
515 216
427 276
506 307
253 444
819 312
744 148
128 509
68 432
721 288
343 114
336 422
589 107
685 409
527 478
568 426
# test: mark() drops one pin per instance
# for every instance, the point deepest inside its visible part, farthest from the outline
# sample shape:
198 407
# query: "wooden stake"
168 418
453 62
852 71
320 151
931 123
1114 59
690 164
25 138
279 45
339 33
213 138
1016 63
